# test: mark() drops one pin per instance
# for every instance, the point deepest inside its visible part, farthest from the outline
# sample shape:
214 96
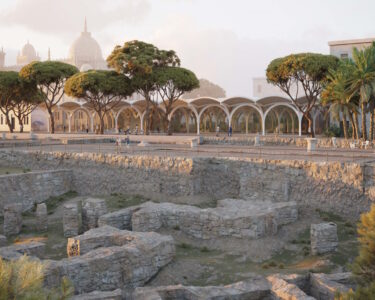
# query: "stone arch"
183 119
288 106
213 122
251 107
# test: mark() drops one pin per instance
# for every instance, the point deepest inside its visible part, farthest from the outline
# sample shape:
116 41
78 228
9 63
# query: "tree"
172 83
364 264
335 95
206 89
362 83
26 99
103 90
138 60
50 77
306 71
9 83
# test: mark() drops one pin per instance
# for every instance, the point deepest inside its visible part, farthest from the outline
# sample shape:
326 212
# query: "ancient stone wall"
33 187
346 188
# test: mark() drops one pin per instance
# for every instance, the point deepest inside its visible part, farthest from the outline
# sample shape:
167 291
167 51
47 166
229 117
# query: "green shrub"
333 131
205 249
361 293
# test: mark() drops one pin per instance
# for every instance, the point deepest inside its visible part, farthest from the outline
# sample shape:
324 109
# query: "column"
116 125
263 124
300 124
69 122
247 123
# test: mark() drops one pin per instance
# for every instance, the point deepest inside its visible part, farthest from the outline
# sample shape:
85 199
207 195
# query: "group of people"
230 130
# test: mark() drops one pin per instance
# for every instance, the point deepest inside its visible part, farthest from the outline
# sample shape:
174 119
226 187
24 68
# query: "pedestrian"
136 129
230 131
217 130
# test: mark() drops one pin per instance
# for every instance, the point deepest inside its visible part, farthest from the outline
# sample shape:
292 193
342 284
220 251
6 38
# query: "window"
344 55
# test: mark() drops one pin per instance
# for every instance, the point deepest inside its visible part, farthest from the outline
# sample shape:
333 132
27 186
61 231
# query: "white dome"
28 51
86 50
85 67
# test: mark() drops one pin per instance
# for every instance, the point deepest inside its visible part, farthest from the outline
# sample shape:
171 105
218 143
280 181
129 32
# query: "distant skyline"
226 42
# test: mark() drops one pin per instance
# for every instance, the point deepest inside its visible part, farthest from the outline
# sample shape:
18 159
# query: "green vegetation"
117 201
308 70
102 90
50 77
23 279
53 202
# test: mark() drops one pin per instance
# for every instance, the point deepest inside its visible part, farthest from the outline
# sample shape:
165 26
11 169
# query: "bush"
333 131
360 294
23 279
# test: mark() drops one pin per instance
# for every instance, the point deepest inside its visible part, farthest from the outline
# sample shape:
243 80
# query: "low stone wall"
33 187
274 140
345 188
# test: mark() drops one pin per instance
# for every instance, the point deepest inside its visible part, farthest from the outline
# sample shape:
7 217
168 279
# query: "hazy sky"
226 41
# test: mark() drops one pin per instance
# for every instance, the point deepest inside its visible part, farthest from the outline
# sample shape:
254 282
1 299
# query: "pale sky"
225 41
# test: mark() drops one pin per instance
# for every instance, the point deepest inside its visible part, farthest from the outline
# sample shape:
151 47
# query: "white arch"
298 113
222 107
248 105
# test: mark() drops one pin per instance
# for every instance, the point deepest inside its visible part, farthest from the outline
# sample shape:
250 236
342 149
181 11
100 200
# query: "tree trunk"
51 116
21 123
353 125
311 125
371 137
344 125
356 125
101 129
9 123
363 114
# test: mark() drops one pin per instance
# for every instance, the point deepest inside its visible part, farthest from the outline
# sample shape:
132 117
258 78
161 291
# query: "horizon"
227 47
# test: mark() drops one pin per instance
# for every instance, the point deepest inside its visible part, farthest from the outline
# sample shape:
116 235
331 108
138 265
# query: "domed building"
27 55
85 52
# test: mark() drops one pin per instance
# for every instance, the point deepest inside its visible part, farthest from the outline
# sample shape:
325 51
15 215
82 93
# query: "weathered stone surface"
16 251
12 219
119 259
120 219
3 240
92 209
34 187
323 238
71 219
283 290
41 217
99 295
324 286
252 289
346 188
236 218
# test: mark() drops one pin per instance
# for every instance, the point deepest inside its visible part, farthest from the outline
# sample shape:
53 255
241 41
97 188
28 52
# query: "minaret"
2 58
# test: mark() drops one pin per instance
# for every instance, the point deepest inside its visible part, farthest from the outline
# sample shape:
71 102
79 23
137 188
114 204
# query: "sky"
228 42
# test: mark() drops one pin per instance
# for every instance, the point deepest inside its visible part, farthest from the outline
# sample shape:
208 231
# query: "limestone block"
324 286
252 289
283 290
3 240
16 251
120 219
235 218
99 295
92 209
323 238
119 259
12 219
71 219
41 217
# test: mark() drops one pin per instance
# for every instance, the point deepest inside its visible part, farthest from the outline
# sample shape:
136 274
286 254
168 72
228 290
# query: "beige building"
344 49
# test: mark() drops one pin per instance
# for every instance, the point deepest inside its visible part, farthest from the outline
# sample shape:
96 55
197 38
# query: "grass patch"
53 202
117 201
7 171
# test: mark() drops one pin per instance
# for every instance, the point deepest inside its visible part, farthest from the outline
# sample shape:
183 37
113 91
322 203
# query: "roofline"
350 42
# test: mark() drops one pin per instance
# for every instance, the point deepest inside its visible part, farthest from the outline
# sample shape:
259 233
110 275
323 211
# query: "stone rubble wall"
123 260
274 140
256 288
345 188
33 187
234 218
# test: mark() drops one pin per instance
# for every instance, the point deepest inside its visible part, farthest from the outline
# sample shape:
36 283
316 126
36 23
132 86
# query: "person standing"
230 131
217 130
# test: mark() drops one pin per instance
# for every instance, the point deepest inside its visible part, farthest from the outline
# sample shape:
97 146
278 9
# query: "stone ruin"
41 217
256 288
109 258
235 218
92 209
12 219
71 219
323 238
